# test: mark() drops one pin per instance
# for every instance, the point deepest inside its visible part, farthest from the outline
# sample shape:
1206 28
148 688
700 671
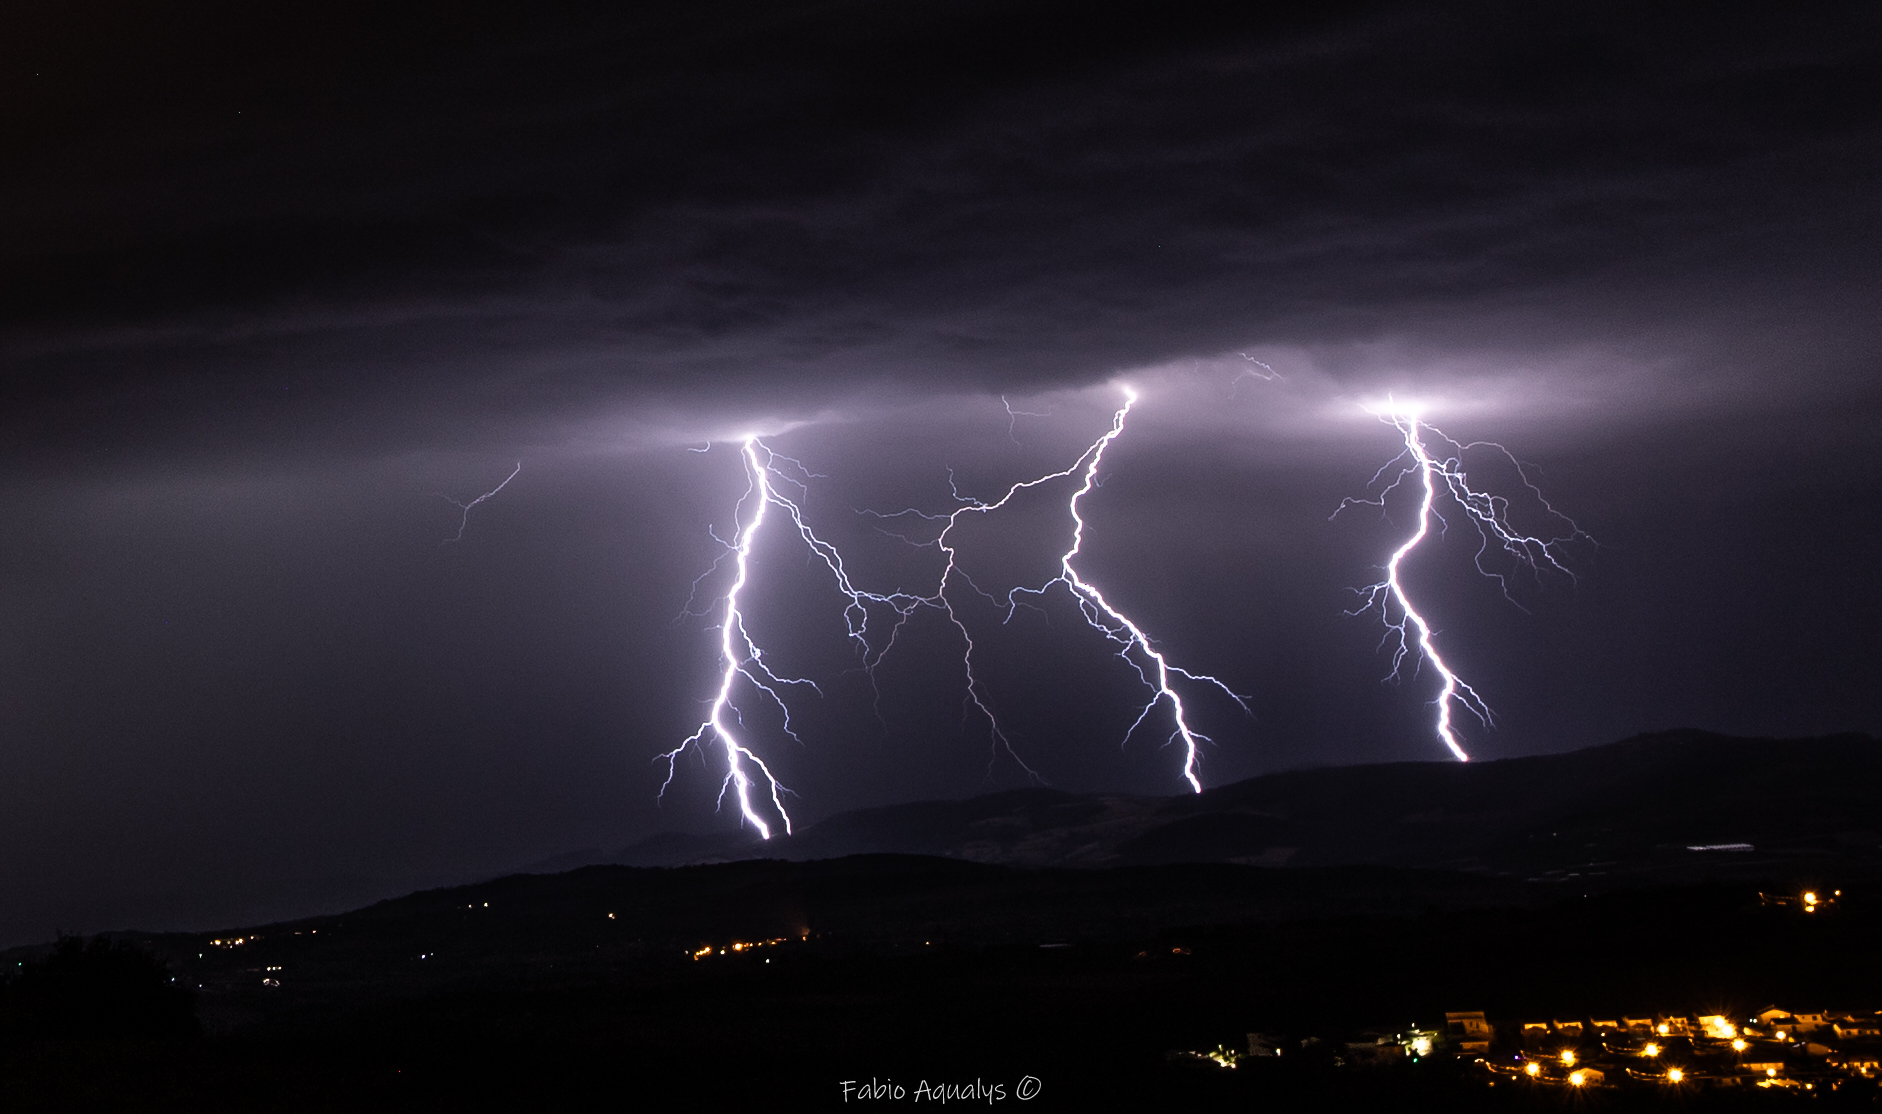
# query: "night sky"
273 277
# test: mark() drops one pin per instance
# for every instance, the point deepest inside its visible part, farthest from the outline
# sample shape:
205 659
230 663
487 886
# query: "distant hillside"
1252 905
1631 809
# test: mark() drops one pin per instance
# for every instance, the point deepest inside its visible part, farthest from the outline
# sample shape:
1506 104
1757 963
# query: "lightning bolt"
1134 646
1405 626
464 519
742 660
741 657
1117 627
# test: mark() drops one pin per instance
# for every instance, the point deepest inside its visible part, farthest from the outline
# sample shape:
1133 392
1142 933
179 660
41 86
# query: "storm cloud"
274 280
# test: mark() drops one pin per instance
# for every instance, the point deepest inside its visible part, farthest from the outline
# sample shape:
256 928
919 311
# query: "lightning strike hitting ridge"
1114 625
1490 513
464 520
741 657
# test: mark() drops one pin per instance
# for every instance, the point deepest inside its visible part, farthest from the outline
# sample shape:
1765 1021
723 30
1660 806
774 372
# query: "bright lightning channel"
740 656
1114 625
1098 612
1405 626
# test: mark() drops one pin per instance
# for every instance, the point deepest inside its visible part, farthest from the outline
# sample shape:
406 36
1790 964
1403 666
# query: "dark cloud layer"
275 277
532 212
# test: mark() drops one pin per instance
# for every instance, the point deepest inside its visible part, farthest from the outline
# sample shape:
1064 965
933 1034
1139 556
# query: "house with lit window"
1382 1049
1791 1023
1862 1059
1468 1032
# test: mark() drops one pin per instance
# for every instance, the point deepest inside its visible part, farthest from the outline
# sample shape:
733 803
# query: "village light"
1568 1059
1422 1046
1675 1075
1772 1072
1532 1068
1650 1050
1738 1045
1577 1078
1665 1028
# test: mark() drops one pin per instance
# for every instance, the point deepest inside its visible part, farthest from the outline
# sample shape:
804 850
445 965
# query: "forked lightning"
1405 625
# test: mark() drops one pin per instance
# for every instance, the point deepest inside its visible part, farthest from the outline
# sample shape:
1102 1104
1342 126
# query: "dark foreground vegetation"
1620 882
540 1001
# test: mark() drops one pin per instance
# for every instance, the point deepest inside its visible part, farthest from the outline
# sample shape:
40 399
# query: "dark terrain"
1314 903
1627 811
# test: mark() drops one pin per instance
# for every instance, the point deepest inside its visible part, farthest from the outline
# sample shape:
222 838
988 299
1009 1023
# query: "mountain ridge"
1635 804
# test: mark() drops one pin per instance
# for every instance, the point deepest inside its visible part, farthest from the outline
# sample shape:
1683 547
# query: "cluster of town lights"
1580 1078
1583 1069
736 947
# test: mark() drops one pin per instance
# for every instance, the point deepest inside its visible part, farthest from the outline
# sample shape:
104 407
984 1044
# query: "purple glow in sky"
275 278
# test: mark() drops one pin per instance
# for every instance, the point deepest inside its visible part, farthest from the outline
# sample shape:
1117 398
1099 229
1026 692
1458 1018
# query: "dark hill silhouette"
1401 892
1038 866
1628 808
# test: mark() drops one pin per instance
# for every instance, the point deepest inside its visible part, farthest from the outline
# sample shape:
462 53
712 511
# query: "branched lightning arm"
464 519
1405 626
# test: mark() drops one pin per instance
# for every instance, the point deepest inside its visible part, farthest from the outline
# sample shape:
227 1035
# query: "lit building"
1469 1033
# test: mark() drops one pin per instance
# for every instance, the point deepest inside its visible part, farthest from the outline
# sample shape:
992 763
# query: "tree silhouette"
95 988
